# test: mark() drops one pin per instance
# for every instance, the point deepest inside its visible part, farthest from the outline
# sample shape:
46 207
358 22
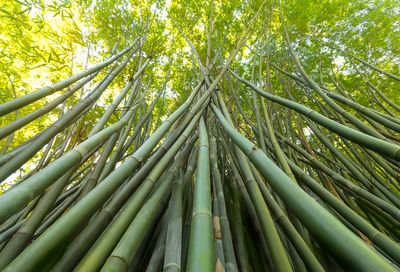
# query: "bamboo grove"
262 168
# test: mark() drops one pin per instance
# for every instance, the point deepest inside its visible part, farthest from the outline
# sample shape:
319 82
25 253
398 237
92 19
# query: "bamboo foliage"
231 153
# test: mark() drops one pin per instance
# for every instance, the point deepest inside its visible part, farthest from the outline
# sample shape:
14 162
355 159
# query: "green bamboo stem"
24 235
277 149
237 177
149 241
18 160
238 228
372 143
122 145
227 242
356 122
276 250
342 242
100 222
201 246
382 95
281 218
106 243
366 111
383 186
139 126
33 186
173 243
26 119
127 247
377 237
66 226
258 116
104 118
20 102
129 243
58 212
95 174
219 258
349 101
117 154
385 206
388 74
345 160
156 260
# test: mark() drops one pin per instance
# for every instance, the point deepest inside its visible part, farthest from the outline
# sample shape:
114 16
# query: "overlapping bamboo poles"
126 198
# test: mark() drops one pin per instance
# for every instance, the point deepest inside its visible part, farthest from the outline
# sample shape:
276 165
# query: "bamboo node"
107 212
217 228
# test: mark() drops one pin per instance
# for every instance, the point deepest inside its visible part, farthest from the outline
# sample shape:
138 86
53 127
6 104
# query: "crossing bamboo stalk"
342 242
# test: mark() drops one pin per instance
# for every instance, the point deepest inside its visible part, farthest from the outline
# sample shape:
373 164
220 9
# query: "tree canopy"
199 135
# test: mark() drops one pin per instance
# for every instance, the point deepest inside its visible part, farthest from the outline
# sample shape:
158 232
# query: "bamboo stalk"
342 243
201 245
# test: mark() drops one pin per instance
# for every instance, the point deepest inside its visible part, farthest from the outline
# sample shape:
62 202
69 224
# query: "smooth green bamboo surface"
64 228
325 227
201 244
20 102
372 143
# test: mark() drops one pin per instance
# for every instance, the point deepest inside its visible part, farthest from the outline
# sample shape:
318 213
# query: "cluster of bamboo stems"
210 188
